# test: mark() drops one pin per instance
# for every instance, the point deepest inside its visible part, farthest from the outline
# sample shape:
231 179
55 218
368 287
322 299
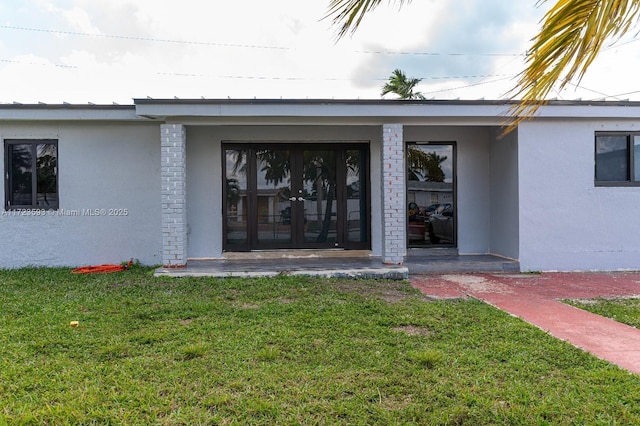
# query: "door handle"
292 198
301 199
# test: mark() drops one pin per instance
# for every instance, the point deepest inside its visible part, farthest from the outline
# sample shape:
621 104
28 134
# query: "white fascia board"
285 111
373 110
487 112
590 111
41 112
334 121
400 112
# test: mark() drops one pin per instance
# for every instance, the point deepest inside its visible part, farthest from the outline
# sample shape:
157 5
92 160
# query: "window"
618 159
31 174
430 169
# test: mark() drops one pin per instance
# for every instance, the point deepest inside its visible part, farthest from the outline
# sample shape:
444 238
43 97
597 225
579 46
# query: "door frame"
297 149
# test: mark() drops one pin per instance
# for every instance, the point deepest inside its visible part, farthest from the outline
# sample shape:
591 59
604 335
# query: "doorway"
431 208
295 196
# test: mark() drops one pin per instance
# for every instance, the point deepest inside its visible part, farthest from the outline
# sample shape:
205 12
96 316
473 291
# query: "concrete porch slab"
340 264
442 261
332 267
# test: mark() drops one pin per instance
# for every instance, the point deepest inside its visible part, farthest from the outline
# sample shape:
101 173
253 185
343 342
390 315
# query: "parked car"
441 224
429 210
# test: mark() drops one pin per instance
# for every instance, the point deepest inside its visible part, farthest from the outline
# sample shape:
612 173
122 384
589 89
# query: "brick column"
394 240
174 195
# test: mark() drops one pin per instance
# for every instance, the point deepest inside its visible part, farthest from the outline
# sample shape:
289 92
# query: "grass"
287 350
625 310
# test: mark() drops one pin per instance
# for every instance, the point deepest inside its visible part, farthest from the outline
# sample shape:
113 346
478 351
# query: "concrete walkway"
534 298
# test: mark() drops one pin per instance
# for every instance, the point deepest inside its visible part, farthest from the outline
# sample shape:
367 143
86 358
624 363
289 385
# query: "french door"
295 195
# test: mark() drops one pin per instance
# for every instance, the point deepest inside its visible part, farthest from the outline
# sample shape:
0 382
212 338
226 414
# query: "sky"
112 51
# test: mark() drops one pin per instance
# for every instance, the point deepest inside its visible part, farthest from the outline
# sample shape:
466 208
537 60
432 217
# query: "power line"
615 45
625 94
480 83
254 46
579 86
258 77
462 77
9 61
389 52
149 39
243 46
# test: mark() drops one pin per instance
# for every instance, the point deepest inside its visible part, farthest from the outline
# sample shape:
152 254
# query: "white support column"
394 240
174 195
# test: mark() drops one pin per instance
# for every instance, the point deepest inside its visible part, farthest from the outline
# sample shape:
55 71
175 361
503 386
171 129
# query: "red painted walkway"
534 299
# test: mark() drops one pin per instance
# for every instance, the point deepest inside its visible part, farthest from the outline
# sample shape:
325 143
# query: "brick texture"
174 195
393 195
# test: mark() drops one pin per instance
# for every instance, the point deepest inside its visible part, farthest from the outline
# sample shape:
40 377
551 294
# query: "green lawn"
283 351
624 310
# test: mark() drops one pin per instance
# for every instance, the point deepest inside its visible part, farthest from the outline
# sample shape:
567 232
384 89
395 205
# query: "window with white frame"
617 159
31 174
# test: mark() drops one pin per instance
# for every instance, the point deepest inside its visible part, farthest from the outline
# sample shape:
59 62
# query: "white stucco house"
166 181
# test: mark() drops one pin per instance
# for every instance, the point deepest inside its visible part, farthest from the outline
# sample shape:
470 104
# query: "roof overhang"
315 111
319 111
67 112
324 111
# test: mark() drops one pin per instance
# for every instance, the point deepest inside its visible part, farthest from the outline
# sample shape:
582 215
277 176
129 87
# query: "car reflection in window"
441 224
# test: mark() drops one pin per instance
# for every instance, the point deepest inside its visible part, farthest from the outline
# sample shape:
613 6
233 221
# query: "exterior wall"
204 186
473 181
530 196
100 166
566 222
504 195
204 183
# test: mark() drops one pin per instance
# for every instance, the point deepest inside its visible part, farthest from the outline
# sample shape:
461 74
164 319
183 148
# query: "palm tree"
424 166
434 167
348 14
402 86
573 33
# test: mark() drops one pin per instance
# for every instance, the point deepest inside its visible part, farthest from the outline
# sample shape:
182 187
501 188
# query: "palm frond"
347 15
573 33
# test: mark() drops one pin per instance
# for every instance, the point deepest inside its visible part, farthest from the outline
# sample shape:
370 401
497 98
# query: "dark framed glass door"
304 195
431 208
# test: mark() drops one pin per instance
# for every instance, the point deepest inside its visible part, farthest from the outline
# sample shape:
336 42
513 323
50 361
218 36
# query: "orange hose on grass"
101 269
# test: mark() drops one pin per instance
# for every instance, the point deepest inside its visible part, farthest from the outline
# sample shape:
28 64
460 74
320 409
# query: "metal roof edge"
356 102
40 106
312 101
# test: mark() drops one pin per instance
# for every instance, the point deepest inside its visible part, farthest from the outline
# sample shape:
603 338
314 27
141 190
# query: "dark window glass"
636 157
357 213
32 174
236 196
47 175
612 158
430 183
20 175
273 169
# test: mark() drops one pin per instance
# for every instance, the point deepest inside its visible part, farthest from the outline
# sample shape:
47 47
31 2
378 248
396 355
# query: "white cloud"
283 48
80 21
